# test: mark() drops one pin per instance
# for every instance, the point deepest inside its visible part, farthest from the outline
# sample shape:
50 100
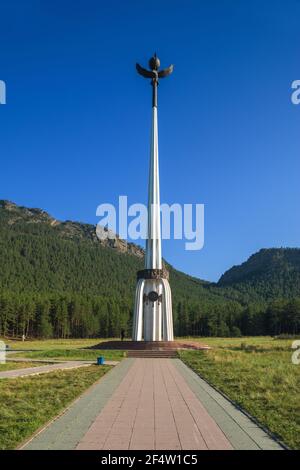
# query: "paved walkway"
15 373
152 404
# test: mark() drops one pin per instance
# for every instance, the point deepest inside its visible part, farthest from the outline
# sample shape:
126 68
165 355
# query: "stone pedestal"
153 307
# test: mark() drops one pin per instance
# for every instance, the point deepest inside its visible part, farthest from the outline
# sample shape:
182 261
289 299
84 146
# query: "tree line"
78 316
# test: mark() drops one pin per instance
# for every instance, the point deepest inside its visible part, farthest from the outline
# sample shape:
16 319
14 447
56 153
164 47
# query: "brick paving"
152 404
153 408
65 431
239 428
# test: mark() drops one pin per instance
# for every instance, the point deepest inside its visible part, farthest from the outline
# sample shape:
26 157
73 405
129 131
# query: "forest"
79 316
57 281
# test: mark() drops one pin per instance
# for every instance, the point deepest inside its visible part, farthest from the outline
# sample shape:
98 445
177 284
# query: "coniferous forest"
58 280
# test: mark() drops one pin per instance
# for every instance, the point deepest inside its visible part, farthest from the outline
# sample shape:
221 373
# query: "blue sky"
75 130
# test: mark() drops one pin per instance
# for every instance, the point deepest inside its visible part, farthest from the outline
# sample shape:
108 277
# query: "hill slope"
39 253
57 278
268 274
62 268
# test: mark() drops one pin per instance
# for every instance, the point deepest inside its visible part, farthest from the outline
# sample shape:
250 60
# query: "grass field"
72 354
53 343
257 373
64 349
28 403
17 365
258 341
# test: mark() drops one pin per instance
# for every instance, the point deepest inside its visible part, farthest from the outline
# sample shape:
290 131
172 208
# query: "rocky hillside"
14 215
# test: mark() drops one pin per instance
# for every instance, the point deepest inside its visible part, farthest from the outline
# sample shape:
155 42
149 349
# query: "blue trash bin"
100 361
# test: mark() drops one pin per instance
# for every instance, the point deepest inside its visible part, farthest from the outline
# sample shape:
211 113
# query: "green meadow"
73 354
62 349
18 365
258 375
52 343
28 403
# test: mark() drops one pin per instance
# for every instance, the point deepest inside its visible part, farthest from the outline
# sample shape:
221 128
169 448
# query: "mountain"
58 279
268 274
16 216
68 257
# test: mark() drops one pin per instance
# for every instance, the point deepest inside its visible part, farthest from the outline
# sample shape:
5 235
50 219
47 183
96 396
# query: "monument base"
150 345
152 318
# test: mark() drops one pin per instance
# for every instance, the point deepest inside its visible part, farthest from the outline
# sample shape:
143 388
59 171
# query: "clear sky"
75 130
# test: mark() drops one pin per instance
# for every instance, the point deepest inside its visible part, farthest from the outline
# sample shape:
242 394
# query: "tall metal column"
153 319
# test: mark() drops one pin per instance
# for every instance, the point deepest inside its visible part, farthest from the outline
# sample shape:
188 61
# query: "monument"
153 320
